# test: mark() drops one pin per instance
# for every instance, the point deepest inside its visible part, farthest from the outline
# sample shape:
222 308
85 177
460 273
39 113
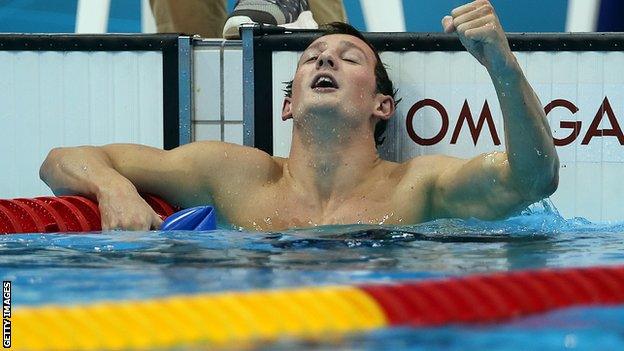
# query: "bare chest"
277 207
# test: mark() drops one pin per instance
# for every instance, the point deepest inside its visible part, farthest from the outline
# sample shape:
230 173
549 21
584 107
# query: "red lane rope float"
49 214
46 215
489 298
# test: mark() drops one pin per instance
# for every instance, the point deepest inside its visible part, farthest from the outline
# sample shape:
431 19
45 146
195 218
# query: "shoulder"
210 146
431 165
220 152
221 160
418 172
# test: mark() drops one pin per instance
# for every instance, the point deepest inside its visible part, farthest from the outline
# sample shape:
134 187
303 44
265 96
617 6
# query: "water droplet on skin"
84 168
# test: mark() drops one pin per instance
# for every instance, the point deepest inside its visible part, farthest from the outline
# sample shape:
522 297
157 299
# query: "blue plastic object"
194 218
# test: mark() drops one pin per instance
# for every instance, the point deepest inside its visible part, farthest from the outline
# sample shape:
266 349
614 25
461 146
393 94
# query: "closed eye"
350 60
311 58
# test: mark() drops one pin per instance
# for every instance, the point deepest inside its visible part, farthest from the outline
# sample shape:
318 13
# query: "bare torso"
392 194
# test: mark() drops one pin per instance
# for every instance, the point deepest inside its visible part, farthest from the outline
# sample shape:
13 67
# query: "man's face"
335 75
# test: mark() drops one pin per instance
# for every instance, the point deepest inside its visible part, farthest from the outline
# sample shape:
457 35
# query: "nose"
325 60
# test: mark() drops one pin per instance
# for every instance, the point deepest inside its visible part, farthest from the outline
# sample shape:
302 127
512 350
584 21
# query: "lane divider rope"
315 313
51 214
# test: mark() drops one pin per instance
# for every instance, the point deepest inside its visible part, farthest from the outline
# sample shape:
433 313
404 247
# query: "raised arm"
114 174
493 185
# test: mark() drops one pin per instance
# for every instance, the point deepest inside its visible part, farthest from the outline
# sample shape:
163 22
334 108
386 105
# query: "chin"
325 107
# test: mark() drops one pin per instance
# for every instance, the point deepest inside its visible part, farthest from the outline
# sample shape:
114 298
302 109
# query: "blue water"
82 268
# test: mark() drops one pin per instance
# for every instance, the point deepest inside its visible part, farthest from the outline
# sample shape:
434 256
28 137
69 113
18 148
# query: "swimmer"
339 101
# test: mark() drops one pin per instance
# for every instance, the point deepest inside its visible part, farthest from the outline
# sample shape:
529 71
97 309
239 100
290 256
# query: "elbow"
551 186
552 179
546 184
47 166
53 164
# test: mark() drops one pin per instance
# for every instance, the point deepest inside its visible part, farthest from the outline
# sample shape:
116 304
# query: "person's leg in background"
288 13
327 11
203 17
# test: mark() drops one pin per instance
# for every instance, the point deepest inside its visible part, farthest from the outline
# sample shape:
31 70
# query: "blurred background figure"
208 17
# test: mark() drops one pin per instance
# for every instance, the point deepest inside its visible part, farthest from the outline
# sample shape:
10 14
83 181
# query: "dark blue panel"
611 16
355 16
421 16
32 16
516 16
125 16
532 15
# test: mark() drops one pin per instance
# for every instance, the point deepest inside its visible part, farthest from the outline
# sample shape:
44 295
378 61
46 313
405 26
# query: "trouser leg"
203 17
326 11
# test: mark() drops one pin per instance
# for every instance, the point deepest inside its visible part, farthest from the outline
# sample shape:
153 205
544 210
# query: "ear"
384 106
287 109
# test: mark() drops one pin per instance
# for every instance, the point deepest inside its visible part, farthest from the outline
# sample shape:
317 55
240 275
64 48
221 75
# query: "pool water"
83 268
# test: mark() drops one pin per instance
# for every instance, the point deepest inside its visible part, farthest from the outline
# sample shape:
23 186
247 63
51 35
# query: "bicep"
480 187
191 174
165 173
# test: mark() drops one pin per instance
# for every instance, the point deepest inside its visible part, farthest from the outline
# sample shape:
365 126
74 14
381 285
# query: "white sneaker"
293 14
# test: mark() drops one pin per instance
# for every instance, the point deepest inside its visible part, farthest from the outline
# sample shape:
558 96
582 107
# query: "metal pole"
247 33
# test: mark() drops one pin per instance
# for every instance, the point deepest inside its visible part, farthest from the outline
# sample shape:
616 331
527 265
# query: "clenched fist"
481 33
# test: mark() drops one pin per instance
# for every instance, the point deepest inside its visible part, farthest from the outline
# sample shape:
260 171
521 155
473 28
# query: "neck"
329 165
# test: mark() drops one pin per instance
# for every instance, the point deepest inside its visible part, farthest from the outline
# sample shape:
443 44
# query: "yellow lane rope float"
209 320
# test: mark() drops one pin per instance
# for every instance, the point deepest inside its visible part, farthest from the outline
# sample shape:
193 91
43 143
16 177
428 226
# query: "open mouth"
324 82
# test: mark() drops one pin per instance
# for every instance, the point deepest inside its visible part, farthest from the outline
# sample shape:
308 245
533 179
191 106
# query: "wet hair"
383 83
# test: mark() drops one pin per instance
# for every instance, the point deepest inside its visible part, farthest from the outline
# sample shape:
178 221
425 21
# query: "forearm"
530 149
81 170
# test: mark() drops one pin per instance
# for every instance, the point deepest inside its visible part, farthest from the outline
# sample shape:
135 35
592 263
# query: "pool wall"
68 90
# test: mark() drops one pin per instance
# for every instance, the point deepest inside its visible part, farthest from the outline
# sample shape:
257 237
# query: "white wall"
50 99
